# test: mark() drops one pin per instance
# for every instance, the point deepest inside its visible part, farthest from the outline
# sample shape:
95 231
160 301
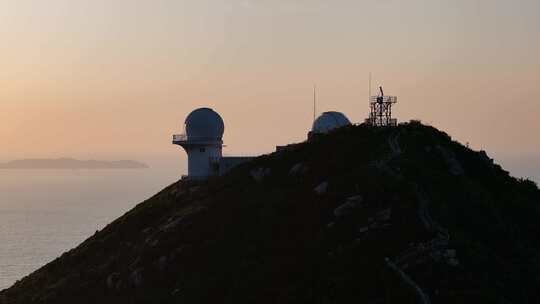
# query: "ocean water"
43 213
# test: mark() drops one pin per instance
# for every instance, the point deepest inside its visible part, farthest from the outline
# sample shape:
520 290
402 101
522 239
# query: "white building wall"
199 160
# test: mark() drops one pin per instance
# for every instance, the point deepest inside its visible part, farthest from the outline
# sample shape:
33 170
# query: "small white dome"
329 121
204 123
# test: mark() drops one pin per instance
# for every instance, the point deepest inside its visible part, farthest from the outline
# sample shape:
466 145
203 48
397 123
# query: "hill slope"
400 215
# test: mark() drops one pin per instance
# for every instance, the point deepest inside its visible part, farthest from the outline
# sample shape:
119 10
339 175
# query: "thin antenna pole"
314 101
369 86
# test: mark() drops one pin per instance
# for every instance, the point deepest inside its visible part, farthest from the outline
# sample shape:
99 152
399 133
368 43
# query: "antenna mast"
314 101
369 96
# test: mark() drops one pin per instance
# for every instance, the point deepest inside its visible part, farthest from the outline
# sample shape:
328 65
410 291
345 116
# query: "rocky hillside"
362 215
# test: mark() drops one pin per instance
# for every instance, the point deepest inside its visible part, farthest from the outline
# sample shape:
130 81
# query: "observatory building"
203 142
203 135
327 122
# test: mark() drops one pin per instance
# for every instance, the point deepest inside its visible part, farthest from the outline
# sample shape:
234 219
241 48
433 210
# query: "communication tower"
381 110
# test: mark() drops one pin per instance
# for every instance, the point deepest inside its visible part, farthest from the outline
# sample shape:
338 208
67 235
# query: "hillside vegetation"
362 215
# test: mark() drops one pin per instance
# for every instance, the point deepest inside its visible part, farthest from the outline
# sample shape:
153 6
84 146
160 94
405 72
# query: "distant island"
71 163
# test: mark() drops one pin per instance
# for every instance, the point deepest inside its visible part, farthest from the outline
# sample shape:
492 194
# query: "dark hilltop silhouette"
70 163
361 215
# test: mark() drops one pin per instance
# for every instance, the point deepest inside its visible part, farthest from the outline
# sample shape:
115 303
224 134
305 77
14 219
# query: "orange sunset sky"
115 79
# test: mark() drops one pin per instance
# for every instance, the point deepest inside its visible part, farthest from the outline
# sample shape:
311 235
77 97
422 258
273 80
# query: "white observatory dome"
329 121
204 123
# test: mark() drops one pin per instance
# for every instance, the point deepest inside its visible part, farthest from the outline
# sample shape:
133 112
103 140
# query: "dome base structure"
203 144
203 158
